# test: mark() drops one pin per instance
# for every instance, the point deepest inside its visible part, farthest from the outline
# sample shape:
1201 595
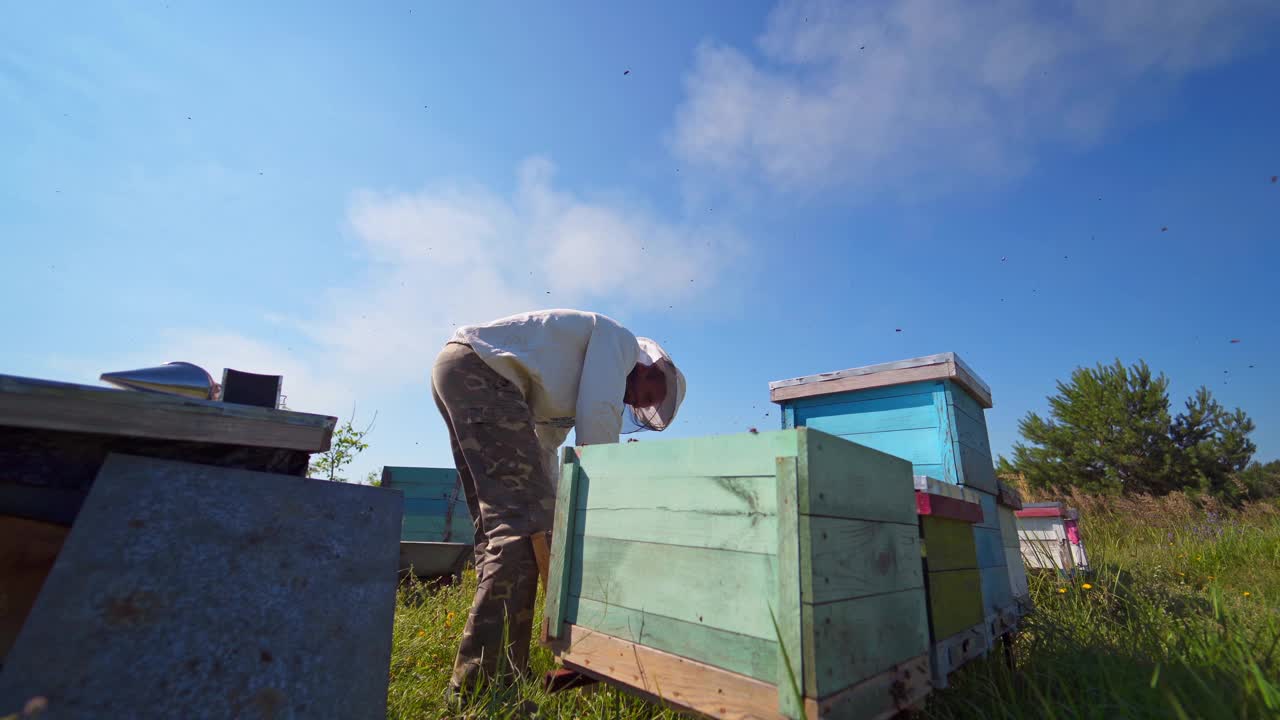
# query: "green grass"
1164 630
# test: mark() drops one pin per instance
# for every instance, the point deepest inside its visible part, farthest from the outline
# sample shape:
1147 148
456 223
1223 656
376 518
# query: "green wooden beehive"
759 575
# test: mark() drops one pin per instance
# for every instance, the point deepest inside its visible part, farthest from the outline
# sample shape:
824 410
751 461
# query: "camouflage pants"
499 461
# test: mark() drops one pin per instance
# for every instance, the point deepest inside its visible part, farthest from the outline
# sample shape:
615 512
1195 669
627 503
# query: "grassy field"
1181 619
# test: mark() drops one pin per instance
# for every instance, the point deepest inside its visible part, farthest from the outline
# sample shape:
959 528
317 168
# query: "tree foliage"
347 443
1109 430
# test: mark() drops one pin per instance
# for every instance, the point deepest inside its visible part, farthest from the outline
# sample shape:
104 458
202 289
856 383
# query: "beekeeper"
510 391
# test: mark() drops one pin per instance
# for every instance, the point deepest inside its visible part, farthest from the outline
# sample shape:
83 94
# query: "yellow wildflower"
1087 586
1062 590
1210 577
1247 593
421 633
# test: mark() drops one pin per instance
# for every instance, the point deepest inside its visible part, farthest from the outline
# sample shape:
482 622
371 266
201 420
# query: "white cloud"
876 94
450 255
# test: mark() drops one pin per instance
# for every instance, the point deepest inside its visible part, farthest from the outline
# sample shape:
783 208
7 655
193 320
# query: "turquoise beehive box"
928 411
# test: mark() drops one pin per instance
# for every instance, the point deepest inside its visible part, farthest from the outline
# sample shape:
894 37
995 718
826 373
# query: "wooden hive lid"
944 366
48 405
1041 509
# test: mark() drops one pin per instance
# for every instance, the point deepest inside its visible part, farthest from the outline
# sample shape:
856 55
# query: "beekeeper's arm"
611 355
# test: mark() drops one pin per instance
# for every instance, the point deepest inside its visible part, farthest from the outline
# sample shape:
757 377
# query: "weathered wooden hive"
957 632
1049 537
763 575
930 412
437 532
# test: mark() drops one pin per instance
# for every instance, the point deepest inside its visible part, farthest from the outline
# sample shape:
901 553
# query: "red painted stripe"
947 507
1039 512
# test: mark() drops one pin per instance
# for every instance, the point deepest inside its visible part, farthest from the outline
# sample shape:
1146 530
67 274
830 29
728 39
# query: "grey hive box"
193 591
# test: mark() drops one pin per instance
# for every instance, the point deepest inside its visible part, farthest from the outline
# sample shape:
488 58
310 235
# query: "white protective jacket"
572 367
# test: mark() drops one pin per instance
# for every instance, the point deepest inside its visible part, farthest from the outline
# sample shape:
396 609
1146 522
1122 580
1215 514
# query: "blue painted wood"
788 417
435 508
971 431
976 470
996 591
945 429
990 511
917 446
903 412
990 547
926 388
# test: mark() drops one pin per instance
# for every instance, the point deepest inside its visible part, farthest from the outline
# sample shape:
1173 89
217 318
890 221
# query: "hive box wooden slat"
437 535
954 581
930 412
1049 537
713 571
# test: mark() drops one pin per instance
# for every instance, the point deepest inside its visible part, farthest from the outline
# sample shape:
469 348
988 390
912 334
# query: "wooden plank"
562 548
955 601
976 470
718 588
843 479
788 417
750 656
947 507
857 382
915 446
794 668
949 654
990 511
990 547
1039 512
1017 572
931 484
1008 496
404 476
28 550
858 639
1008 526
728 530
732 513
744 454
854 558
964 402
32 403
944 366
668 678
948 544
902 412
971 431
996 592
948 447
921 388
884 696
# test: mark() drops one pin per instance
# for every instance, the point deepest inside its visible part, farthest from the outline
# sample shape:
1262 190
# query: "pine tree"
1213 445
1108 432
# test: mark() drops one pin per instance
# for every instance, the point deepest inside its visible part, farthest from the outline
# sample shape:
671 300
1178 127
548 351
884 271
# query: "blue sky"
323 190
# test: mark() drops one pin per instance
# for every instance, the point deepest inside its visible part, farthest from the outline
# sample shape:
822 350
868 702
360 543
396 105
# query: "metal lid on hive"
175 378
944 366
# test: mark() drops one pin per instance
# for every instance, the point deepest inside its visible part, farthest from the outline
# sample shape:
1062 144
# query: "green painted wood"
598 490
948 544
1008 526
843 479
854 558
857 639
745 454
750 656
976 470
791 668
562 549
990 547
718 588
955 601
1017 571
728 530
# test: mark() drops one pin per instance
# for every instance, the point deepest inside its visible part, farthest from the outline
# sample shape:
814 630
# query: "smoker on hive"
510 391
